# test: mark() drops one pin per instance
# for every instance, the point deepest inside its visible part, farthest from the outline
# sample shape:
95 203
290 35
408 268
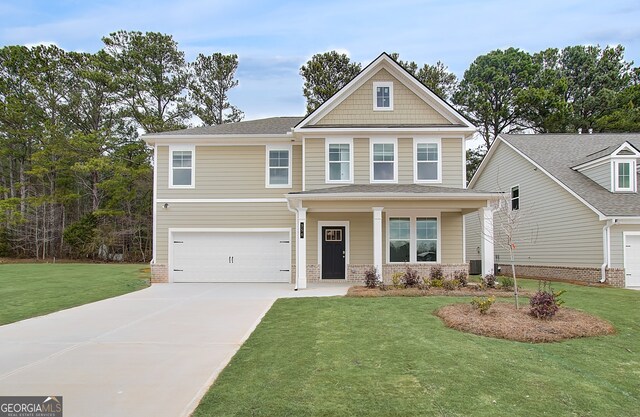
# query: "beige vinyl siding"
600 174
408 108
228 172
451 239
452 162
555 228
617 243
220 215
360 235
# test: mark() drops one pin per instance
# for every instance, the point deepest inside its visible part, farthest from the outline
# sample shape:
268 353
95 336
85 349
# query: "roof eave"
394 196
152 139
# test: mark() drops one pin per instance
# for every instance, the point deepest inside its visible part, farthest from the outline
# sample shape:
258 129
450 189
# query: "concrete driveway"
149 353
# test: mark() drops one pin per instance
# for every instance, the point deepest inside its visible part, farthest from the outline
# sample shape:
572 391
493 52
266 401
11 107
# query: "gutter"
606 237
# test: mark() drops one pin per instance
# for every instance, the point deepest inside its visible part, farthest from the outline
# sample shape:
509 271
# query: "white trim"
422 140
412 215
383 140
222 200
632 175
395 196
155 205
313 132
267 178
377 84
624 252
338 141
499 141
464 240
172 230
345 224
192 149
218 140
304 164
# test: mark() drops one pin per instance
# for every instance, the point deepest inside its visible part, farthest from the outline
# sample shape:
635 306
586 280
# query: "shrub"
483 304
436 273
489 280
396 278
436 283
545 303
506 283
371 278
410 278
426 283
462 277
451 284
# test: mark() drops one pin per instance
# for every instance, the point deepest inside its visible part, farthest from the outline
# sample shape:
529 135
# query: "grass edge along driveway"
392 356
30 290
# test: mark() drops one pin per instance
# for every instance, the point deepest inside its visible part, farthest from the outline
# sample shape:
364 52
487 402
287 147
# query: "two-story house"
374 177
577 201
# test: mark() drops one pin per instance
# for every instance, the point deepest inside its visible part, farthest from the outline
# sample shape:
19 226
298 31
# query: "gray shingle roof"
391 188
268 126
558 153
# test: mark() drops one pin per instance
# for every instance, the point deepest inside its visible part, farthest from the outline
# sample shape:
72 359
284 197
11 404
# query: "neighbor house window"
181 167
413 239
339 162
278 167
624 178
427 157
383 164
383 95
515 197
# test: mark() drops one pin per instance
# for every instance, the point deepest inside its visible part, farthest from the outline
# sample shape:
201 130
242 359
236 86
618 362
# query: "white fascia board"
313 132
395 196
628 146
219 139
485 161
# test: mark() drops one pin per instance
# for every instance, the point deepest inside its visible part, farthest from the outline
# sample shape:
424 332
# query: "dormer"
614 168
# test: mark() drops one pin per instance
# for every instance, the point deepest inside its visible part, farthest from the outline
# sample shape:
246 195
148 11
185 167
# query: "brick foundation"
355 272
615 276
159 273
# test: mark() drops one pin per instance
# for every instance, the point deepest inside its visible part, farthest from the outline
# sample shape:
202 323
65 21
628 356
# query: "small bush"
437 283
489 281
462 277
426 283
371 278
396 278
410 278
544 304
450 284
506 283
436 273
483 304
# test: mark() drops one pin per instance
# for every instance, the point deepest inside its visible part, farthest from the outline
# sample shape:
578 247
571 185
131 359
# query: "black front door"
333 252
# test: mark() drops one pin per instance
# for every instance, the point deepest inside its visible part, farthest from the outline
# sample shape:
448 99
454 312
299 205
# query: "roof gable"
424 106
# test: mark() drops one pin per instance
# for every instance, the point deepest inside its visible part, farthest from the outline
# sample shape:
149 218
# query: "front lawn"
392 357
29 290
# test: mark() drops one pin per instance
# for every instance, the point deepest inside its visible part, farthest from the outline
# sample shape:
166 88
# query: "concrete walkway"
149 353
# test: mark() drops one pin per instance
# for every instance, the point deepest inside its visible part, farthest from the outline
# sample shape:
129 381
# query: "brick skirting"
159 273
355 272
615 276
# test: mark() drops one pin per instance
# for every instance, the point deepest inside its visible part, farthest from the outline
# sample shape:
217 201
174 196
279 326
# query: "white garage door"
252 256
632 260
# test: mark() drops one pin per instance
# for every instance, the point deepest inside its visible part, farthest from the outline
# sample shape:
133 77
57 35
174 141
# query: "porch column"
301 254
486 240
377 239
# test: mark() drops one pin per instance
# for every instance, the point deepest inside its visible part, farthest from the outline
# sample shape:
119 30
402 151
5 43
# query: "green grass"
393 357
29 290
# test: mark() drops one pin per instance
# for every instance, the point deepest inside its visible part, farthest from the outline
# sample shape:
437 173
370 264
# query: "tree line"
76 179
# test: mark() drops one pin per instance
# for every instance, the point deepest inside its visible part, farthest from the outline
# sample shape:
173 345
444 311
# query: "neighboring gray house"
579 205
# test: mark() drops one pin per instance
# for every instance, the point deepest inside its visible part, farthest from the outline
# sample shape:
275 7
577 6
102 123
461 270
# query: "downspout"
295 236
606 236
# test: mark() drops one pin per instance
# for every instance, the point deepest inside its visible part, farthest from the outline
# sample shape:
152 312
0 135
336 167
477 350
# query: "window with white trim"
427 157
515 197
624 176
413 239
383 95
181 167
339 162
383 162
278 167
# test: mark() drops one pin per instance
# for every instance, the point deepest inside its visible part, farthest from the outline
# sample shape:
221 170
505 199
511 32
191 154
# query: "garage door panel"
632 260
231 257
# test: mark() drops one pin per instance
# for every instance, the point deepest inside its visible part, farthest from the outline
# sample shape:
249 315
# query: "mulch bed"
360 291
503 321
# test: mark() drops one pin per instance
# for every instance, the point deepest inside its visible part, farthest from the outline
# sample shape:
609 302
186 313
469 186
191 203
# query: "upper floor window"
624 178
181 167
339 161
383 95
278 167
515 197
384 165
427 161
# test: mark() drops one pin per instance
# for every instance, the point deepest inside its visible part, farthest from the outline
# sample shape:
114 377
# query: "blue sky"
274 38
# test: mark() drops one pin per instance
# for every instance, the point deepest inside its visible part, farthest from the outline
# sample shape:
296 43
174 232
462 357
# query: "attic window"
624 175
383 96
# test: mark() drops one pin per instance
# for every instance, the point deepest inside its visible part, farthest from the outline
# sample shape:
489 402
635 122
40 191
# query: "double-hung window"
384 166
278 167
624 176
426 239
181 167
399 239
383 96
339 162
413 239
515 197
428 167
